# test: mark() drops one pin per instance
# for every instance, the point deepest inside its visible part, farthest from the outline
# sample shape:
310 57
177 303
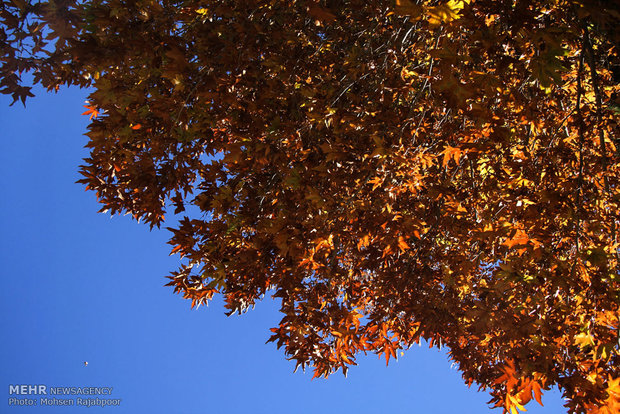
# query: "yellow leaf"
515 403
583 339
406 74
445 13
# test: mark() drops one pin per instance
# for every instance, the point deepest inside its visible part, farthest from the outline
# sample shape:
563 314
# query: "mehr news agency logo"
42 395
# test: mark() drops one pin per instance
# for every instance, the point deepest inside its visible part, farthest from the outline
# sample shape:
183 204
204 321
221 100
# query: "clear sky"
81 286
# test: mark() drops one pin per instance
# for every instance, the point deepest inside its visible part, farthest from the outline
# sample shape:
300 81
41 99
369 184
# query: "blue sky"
81 286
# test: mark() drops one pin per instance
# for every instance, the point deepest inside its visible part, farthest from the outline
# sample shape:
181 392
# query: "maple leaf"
445 13
583 340
508 376
451 153
520 239
92 111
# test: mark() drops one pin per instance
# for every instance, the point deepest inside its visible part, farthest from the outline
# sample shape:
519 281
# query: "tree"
394 172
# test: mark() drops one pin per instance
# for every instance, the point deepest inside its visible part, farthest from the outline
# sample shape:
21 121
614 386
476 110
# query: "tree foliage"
392 171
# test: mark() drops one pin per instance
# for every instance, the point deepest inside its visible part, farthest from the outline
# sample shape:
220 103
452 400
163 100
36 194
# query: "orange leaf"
92 111
537 392
376 182
451 153
363 242
520 238
402 244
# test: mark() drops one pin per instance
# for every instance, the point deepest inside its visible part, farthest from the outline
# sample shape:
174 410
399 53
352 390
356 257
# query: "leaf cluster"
391 171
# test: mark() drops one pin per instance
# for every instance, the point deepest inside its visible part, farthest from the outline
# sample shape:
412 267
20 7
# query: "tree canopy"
446 171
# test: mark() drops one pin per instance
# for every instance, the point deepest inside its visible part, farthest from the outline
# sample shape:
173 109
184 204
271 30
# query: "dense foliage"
446 171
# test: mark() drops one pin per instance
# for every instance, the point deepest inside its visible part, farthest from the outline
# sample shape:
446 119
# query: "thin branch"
599 116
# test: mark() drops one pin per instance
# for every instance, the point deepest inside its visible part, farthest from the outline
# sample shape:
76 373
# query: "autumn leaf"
92 111
520 239
450 153
402 244
583 340
537 392
445 13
